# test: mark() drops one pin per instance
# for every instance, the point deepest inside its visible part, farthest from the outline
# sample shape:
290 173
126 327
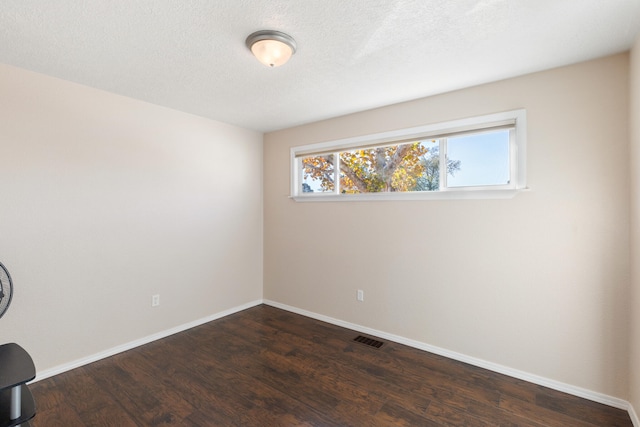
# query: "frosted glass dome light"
272 48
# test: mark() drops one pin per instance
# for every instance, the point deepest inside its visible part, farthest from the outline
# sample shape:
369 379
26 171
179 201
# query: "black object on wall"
6 289
17 406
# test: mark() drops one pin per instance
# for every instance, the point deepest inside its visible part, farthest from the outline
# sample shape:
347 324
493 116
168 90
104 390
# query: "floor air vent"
368 341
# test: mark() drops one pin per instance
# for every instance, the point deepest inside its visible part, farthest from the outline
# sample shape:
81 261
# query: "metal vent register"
368 341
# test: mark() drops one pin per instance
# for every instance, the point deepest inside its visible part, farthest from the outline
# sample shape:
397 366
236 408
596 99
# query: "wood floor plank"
545 416
584 410
446 415
268 367
98 408
60 416
143 373
395 414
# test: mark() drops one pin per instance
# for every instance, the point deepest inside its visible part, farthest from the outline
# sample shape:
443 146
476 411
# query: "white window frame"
517 159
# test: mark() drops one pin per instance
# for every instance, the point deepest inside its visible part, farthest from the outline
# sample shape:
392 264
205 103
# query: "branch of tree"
360 184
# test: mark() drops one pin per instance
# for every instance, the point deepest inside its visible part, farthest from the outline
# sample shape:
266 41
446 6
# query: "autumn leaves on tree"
402 167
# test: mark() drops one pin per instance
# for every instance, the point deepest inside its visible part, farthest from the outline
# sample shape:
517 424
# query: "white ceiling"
352 55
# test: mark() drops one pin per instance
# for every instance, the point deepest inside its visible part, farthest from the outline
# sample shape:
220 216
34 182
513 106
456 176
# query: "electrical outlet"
155 300
360 295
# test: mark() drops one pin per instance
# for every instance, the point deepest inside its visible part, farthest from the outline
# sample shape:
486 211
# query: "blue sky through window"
484 159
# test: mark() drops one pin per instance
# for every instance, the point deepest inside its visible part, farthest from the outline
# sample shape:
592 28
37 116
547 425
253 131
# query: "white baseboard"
634 417
146 340
556 385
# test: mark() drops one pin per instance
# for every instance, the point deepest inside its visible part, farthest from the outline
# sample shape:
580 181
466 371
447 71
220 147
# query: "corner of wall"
634 240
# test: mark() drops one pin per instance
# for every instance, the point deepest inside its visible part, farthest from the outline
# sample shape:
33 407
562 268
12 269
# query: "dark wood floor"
268 367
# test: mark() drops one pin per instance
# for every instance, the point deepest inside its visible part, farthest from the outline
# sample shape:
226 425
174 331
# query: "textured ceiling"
352 54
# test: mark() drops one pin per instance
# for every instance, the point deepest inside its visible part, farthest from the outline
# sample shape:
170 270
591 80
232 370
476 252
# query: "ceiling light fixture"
272 48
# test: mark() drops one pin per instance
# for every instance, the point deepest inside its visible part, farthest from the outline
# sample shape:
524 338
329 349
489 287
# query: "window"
481 157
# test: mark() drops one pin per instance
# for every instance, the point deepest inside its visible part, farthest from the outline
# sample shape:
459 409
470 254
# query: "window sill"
434 195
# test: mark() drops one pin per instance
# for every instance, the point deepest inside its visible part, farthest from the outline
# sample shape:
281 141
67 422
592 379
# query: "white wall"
538 283
634 300
106 200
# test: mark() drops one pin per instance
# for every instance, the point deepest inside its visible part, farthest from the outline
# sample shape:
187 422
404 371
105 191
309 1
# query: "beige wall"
105 201
634 308
537 283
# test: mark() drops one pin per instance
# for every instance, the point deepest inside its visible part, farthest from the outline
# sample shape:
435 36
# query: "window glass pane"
317 174
479 157
430 178
483 159
382 169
